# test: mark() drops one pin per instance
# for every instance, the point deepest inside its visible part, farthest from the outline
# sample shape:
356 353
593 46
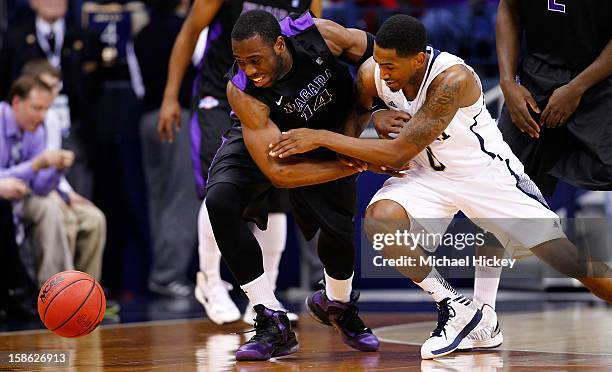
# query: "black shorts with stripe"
580 152
329 206
210 121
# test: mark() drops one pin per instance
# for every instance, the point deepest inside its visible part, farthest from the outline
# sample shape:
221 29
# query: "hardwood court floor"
565 340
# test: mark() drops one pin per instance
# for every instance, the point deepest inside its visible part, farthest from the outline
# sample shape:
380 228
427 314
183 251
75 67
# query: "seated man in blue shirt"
23 156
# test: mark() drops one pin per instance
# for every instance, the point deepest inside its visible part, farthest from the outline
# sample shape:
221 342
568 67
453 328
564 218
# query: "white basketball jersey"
470 142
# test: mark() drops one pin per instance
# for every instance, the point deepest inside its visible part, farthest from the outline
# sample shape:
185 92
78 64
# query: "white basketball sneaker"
487 334
456 319
215 298
250 315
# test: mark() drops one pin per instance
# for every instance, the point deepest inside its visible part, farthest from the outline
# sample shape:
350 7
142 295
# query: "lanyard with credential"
53 56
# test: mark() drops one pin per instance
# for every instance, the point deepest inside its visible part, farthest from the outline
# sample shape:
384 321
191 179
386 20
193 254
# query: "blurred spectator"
558 95
85 224
67 48
23 156
173 202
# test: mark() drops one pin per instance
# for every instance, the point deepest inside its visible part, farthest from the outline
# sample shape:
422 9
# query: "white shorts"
507 204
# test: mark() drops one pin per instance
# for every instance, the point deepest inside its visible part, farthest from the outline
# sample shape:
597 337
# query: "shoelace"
264 327
350 320
444 314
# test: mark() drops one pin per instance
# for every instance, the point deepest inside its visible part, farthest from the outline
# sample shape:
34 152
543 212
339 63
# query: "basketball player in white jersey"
458 161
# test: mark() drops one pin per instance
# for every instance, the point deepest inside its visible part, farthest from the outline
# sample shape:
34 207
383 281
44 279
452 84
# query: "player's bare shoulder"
365 83
366 73
455 86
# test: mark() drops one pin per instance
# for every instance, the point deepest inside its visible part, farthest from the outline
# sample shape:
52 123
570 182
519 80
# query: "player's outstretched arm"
201 14
258 131
451 90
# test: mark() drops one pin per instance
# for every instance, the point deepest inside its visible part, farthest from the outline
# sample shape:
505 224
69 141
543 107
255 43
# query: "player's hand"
170 112
388 123
519 100
561 105
295 141
12 188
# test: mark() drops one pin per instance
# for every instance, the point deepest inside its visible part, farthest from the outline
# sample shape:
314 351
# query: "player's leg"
486 283
272 242
211 291
512 207
563 256
493 202
208 124
486 278
208 128
237 192
329 209
411 205
241 252
172 206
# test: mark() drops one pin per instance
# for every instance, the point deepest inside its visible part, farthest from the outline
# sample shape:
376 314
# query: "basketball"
71 304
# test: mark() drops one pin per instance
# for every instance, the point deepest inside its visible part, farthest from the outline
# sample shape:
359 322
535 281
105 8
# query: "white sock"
338 290
208 251
437 286
486 282
259 291
272 242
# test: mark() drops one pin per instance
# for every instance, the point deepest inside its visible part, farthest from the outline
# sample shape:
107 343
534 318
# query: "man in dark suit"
72 51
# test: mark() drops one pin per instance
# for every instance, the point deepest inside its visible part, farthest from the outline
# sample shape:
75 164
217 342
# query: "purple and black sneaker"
344 317
273 336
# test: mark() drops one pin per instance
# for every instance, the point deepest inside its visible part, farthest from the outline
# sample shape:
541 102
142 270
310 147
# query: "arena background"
117 187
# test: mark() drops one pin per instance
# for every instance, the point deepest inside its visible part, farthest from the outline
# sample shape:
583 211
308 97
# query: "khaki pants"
85 227
43 218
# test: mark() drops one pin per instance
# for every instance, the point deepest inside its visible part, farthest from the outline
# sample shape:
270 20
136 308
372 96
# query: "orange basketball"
71 303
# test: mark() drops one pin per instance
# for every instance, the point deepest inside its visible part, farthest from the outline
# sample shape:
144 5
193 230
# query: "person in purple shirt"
23 156
85 224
